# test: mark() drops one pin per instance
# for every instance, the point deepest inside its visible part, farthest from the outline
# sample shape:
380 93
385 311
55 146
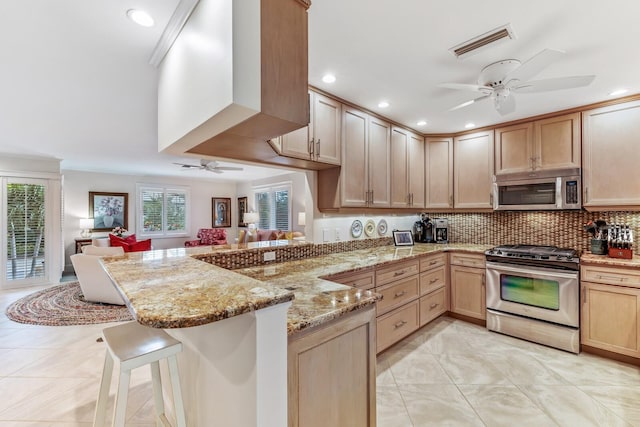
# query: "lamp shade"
86 223
251 217
302 218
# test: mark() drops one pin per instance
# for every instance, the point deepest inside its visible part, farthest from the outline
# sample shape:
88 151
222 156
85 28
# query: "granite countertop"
613 262
170 289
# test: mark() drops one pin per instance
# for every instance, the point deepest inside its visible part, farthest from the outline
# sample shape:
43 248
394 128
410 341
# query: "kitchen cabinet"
468 290
473 170
611 312
610 173
439 173
363 179
365 279
332 373
552 143
407 169
320 140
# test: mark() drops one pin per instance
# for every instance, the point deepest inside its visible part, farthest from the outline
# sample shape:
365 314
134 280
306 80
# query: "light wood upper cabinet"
552 143
354 174
473 160
378 161
320 140
514 148
611 176
439 173
407 169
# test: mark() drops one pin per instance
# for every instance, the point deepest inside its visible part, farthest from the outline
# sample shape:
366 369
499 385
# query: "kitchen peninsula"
232 324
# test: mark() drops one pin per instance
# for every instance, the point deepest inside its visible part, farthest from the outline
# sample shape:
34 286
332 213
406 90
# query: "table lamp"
251 218
86 224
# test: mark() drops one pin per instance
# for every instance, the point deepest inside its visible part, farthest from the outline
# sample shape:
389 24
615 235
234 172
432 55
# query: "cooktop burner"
535 255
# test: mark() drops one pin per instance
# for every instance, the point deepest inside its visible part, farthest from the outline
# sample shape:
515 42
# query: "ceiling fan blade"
505 105
186 166
216 170
467 103
227 168
558 83
534 65
464 86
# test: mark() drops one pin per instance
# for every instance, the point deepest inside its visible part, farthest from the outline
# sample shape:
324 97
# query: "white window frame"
270 188
163 188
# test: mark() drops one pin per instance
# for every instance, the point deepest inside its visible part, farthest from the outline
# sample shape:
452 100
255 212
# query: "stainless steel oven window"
530 291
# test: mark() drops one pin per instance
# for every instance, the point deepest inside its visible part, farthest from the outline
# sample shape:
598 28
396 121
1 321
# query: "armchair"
209 236
95 283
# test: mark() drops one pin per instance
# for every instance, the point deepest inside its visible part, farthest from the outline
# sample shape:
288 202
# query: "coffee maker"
423 230
441 230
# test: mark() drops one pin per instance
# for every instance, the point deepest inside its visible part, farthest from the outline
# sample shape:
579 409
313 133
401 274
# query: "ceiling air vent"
492 38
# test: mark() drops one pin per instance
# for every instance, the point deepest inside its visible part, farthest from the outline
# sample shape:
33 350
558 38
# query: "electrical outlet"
326 235
337 234
269 256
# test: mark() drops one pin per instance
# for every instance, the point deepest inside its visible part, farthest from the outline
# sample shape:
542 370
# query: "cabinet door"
468 291
354 176
611 318
326 129
378 163
514 148
473 168
439 173
556 142
611 176
416 170
296 144
398 174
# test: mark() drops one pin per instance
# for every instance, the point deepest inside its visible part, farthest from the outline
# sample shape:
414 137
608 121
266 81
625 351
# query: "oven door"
536 292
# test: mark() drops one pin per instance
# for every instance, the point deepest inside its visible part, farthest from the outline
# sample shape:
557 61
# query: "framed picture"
221 212
242 209
108 210
402 238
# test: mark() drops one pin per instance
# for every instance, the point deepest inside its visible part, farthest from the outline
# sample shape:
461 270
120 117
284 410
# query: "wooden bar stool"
134 345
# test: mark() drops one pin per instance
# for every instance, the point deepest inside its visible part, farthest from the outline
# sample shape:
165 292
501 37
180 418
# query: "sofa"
262 235
208 237
128 243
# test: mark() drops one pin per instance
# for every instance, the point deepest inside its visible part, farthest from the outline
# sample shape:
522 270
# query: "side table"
80 242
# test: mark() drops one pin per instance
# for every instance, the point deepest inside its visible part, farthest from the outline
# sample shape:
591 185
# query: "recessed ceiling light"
421 123
618 92
140 17
328 78
470 125
383 104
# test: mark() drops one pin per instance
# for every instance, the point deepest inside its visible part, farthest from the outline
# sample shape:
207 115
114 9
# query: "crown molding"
172 30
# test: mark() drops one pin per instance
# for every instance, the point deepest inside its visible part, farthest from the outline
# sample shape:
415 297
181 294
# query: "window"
273 204
162 211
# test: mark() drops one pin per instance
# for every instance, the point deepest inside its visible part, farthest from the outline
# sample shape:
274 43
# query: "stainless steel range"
533 293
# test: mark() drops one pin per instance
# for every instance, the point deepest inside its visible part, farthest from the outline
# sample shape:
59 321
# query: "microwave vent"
491 38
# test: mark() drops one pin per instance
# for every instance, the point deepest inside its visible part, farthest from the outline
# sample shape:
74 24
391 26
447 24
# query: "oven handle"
532 270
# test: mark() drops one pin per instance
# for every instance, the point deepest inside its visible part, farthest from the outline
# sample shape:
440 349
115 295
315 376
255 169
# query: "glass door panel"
542 293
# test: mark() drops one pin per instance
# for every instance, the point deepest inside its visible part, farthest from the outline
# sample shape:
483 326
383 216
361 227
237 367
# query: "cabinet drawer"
432 261
468 260
362 280
396 271
432 306
609 275
397 294
432 280
396 325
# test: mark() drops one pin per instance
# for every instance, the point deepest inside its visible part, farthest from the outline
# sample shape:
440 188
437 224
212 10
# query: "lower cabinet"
397 324
332 373
610 310
468 295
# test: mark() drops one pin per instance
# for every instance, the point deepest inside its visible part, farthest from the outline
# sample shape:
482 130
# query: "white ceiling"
76 83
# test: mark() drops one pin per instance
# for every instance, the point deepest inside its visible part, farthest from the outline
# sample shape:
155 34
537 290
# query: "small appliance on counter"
423 230
441 230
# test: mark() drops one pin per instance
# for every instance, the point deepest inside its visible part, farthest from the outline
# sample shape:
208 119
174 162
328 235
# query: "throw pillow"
119 241
142 245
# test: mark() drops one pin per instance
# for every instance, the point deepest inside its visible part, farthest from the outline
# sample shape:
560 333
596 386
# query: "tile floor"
450 373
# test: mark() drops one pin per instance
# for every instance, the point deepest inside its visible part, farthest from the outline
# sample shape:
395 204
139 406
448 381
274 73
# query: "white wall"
77 185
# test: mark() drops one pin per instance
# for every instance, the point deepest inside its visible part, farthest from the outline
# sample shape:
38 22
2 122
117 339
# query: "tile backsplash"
558 228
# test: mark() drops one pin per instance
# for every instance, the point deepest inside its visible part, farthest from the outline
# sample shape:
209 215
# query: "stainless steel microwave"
541 190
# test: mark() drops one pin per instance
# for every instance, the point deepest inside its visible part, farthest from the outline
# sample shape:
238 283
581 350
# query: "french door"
25 222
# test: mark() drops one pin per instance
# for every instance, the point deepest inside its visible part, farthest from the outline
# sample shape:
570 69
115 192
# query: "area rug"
64 305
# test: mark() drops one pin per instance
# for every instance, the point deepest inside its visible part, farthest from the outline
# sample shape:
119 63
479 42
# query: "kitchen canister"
598 246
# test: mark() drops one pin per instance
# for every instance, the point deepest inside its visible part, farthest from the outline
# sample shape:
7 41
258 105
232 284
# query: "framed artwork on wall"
242 209
108 210
221 212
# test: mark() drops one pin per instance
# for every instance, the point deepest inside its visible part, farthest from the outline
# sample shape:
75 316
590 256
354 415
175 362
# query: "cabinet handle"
371 196
586 194
400 324
433 262
399 294
433 281
311 149
620 279
491 199
411 199
483 280
432 306
399 273
451 200
318 148
584 295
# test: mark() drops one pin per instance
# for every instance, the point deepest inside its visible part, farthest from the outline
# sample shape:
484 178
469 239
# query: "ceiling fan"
500 80
209 165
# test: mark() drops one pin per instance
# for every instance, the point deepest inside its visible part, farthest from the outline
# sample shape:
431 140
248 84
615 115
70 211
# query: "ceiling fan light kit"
500 80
